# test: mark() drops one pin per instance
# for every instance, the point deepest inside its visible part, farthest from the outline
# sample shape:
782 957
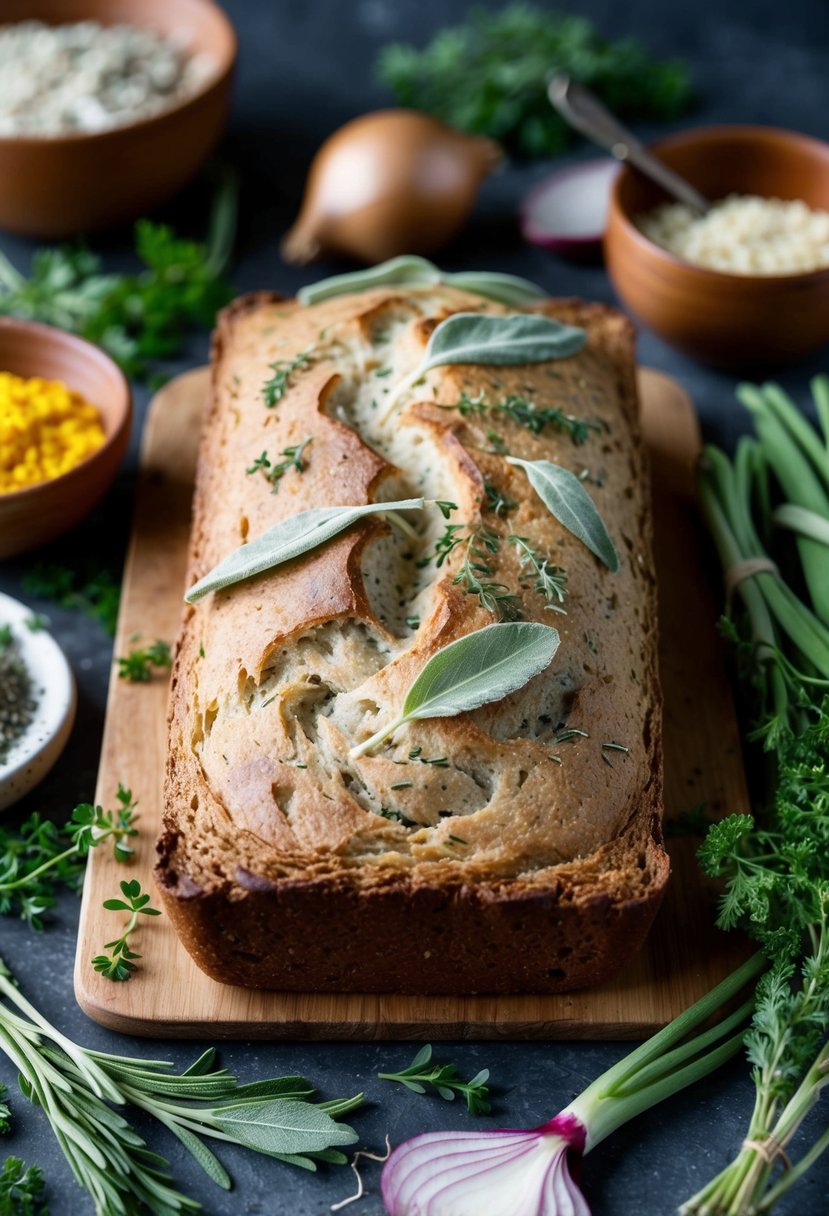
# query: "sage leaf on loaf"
282 1126
483 666
288 539
473 337
413 271
565 497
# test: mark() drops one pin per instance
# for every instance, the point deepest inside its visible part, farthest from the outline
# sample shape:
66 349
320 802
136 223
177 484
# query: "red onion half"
567 211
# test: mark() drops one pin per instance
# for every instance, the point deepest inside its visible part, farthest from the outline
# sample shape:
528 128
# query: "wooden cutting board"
685 954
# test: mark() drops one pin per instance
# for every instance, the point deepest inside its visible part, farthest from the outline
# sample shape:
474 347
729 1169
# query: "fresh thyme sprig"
39 858
474 573
21 1189
275 388
274 472
78 1090
121 964
444 1078
526 413
536 571
496 501
137 666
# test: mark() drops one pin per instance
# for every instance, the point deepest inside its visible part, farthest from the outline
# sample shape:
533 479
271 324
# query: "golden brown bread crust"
526 862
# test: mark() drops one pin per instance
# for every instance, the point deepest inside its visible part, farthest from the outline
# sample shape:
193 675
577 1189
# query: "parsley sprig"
41 857
21 1189
95 594
137 318
121 964
443 1078
489 75
137 666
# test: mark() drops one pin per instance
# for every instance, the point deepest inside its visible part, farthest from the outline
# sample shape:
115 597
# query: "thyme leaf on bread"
525 412
539 573
444 1079
137 666
274 471
40 857
276 386
121 964
474 573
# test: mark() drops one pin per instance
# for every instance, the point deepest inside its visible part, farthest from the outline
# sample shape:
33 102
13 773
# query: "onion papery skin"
498 1173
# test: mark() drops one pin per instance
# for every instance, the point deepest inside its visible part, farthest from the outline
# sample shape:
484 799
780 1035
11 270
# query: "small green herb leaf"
565 497
484 666
289 539
443 1078
413 271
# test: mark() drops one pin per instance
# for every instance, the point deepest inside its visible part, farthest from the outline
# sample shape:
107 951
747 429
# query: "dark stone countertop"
305 67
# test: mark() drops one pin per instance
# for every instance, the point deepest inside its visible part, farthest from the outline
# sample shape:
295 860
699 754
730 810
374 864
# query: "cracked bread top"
277 677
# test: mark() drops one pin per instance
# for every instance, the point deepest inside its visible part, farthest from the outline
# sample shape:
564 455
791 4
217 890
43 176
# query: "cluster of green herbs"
489 76
776 863
274 470
93 592
138 318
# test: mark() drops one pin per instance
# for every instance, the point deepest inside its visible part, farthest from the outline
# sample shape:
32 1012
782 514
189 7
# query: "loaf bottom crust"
332 936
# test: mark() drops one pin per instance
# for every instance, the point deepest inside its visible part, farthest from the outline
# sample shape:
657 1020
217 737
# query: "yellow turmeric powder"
45 429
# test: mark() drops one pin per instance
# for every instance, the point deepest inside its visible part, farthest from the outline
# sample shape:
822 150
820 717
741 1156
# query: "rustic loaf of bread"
515 848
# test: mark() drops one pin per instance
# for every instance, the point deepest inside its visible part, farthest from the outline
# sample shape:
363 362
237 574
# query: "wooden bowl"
62 185
34 515
733 321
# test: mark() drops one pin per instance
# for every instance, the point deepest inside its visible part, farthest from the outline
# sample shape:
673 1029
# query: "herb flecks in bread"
280 865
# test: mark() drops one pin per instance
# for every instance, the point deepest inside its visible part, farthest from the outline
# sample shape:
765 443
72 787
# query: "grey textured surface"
305 67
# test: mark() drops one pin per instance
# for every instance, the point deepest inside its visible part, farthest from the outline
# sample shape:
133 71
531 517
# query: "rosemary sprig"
274 472
138 664
526 413
80 1090
444 1078
121 964
548 580
41 856
274 389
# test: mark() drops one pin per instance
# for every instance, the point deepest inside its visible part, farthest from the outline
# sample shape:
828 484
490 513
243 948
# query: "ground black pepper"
17 700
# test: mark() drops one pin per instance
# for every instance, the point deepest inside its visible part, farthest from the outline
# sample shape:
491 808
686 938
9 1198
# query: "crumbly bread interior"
276 678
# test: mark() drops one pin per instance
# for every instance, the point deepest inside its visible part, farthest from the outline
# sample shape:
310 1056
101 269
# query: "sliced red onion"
567 211
501 1173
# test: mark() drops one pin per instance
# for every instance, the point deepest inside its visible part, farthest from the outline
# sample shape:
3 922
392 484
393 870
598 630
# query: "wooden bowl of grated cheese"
49 379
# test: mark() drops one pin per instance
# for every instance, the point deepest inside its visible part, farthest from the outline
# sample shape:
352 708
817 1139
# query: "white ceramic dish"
33 754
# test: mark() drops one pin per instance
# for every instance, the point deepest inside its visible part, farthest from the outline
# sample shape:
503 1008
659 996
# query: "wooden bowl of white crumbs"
107 107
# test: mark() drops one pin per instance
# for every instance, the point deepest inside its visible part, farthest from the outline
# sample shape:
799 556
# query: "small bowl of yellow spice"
65 413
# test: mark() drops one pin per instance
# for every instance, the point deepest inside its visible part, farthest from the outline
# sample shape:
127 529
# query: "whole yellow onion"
391 182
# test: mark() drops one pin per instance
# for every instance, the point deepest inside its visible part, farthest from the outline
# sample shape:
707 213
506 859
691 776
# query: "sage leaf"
208 1160
483 666
505 288
413 271
289 539
473 337
565 497
280 1126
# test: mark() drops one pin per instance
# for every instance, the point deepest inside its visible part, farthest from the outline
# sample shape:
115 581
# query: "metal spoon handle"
585 113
